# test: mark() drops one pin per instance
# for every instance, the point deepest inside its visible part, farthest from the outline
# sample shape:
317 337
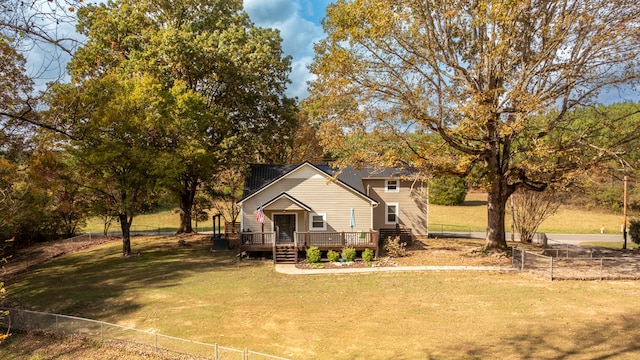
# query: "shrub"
395 248
450 190
634 231
313 255
367 255
349 253
333 256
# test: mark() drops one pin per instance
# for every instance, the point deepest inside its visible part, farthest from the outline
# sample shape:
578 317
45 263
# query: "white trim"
386 186
290 198
322 173
387 213
324 222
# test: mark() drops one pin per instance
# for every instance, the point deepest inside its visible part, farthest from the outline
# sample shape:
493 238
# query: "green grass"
472 216
610 245
161 221
192 293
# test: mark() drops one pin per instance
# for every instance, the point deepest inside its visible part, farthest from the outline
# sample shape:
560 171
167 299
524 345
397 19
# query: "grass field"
192 293
161 221
471 216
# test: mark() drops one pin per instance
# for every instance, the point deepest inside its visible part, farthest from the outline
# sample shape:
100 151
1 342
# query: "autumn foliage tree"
232 74
496 81
115 133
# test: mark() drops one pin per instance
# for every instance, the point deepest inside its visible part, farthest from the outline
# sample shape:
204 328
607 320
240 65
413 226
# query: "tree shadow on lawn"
474 203
95 282
583 338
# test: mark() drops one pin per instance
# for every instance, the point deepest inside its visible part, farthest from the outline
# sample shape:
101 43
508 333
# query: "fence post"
551 268
156 340
513 257
601 265
216 356
522 266
101 334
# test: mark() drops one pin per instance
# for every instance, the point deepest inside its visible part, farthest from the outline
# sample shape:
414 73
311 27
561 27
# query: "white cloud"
298 35
267 12
300 72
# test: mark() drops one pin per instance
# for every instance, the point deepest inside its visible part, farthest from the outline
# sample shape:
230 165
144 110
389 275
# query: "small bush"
349 253
367 255
333 256
449 190
395 248
313 255
634 231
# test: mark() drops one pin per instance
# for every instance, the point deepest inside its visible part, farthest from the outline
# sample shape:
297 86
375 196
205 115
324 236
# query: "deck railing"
337 239
257 238
261 241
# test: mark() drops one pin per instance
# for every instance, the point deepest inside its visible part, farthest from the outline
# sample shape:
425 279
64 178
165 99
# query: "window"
391 186
391 213
318 222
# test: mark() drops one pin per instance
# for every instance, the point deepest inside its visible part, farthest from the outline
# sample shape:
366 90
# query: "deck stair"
285 254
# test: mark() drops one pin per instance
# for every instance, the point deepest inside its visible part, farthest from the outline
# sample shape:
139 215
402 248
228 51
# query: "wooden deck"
265 241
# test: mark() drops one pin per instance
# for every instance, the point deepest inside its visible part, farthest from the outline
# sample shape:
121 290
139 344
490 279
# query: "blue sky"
300 28
299 25
297 20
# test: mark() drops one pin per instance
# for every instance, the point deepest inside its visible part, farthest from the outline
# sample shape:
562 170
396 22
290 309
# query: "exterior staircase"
285 254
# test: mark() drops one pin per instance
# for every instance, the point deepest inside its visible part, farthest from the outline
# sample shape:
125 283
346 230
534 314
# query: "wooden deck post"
295 245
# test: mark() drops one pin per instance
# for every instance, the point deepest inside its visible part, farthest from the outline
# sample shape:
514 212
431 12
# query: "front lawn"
191 292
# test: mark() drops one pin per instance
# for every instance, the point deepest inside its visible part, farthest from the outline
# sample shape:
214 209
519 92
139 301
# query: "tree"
69 201
43 31
634 230
226 189
480 74
234 73
39 24
15 88
530 209
448 190
117 125
299 142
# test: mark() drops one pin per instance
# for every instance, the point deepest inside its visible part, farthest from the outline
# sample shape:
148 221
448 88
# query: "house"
288 208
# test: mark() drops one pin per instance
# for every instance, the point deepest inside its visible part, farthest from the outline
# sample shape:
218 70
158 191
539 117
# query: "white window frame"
397 185
387 213
324 222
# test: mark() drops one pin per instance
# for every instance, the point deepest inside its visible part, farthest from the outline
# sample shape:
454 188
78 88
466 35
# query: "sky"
297 20
299 25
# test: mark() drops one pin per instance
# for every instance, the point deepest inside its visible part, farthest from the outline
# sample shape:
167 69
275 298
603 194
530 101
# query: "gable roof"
284 195
264 175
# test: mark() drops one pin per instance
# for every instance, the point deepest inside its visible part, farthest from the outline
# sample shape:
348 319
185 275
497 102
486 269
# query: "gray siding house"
288 208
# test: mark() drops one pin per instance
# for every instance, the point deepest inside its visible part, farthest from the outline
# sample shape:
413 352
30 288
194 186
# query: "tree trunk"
496 206
187 197
126 234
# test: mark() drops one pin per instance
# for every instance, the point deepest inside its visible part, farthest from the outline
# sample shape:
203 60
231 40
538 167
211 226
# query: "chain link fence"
103 332
577 264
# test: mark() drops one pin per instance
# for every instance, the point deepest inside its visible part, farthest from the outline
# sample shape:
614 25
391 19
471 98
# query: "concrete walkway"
291 269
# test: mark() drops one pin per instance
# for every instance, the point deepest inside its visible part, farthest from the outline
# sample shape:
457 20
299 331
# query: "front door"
285 225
